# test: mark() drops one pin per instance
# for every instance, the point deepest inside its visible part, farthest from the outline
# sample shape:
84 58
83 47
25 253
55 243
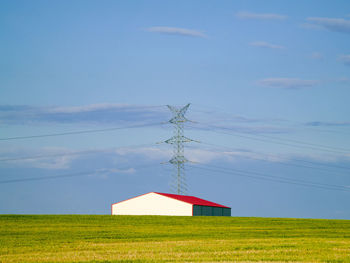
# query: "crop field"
85 238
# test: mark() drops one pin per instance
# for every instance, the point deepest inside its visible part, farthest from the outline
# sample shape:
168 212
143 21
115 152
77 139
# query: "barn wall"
217 211
199 210
226 211
207 211
152 204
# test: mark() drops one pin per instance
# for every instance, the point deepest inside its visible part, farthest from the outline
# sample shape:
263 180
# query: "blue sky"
268 83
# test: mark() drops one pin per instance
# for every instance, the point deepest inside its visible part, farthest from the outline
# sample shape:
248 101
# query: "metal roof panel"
192 200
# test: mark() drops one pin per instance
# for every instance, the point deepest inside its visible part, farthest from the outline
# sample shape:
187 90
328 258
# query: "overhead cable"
270 140
79 132
304 125
266 177
85 173
290 158
73 153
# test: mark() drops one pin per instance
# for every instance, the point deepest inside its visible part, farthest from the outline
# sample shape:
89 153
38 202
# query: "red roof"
192 200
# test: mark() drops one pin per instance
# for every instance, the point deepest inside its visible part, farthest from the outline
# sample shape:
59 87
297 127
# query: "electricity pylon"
178 160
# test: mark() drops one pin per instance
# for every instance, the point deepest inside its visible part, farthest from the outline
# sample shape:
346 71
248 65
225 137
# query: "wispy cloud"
65 158
164 154
316 55
121 161
331 24
152 153
343 80
129 161
206 115
252 129
329 124
345 59
261 16
265 45
176 31
49 158
215 153
94 114
124 115
105 173
287 83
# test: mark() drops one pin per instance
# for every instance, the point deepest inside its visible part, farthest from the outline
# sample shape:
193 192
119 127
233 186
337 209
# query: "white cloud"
49 158
227 126
176 31
287 83
311 26
87 108
343 80
127 161
193 154
262 16
105 113
57 163
210 155
105 173
345 59
322 158
265 45
203 156
316 55
331 24
152 153
124 171
329 123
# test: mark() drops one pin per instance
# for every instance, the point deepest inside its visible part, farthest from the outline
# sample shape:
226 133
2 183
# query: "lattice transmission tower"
178 160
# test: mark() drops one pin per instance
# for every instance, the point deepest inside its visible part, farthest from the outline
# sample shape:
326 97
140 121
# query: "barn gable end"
152 204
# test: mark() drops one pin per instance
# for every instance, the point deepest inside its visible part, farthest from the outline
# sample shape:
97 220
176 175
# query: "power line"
85 173
319 147
323 164
95 151
46 177
267 140
79 132
305 143
283 163
220 110
72 153
282 178
265 177
292 159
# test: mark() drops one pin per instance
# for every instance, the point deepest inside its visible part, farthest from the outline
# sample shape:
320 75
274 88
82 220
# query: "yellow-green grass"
85 238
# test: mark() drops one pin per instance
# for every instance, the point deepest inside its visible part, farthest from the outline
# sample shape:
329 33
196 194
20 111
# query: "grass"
83 238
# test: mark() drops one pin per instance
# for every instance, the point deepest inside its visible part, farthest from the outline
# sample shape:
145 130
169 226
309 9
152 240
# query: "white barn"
169 205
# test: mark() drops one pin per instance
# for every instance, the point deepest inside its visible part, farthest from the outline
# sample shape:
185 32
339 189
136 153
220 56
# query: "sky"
84 89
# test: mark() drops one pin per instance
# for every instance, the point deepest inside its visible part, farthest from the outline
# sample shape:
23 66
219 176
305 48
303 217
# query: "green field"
80 238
